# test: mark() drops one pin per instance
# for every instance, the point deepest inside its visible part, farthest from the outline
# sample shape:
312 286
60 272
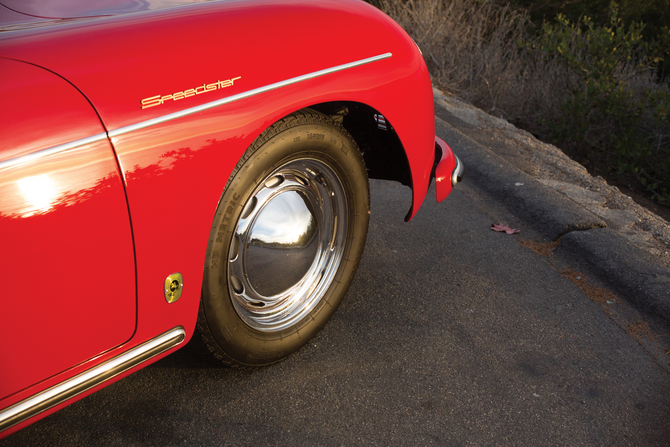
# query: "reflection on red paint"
39 194
64 221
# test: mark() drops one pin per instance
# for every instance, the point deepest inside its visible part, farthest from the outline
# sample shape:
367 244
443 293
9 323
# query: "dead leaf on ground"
505 228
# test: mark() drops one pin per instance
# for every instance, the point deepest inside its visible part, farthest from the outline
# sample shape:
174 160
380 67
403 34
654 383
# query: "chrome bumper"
448 169
457 175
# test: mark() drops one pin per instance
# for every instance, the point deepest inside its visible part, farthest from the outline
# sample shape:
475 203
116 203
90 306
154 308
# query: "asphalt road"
451 334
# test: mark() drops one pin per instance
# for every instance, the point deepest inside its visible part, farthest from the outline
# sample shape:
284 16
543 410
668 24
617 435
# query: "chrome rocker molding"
457 175
58 394
161 119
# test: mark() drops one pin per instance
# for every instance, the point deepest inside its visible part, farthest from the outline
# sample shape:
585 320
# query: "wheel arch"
380 145
258 342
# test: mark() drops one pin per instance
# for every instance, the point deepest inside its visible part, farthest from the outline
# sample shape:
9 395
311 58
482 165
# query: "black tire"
286 241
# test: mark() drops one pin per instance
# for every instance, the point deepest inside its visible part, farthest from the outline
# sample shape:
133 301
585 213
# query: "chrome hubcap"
287 245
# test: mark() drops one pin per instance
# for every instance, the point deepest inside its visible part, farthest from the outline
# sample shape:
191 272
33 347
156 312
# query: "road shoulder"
591 225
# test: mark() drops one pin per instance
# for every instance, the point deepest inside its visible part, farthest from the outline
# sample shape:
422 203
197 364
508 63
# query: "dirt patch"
641 329
596 294
541 248
625 317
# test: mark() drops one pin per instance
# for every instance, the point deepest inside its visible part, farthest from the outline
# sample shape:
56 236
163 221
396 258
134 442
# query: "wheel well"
382 150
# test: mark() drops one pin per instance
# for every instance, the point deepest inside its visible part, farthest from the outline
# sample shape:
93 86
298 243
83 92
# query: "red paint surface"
40 110
175 172
67 259
444 170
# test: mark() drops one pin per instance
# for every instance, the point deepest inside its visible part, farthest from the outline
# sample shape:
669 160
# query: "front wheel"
287 238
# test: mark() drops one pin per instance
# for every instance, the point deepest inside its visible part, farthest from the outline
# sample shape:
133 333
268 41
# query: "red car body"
121 124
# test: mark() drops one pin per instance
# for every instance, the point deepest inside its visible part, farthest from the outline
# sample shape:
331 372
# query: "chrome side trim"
257 91
57 394
161 119
51 151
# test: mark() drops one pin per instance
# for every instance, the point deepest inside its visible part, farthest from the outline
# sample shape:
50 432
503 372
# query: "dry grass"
472 50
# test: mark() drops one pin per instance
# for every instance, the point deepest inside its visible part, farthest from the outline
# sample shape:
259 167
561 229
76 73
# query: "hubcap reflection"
287 245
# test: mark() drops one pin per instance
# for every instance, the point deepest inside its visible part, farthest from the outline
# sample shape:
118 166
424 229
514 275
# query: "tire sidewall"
329 144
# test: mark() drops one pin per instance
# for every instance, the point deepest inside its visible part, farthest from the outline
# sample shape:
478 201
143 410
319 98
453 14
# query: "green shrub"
590 86
615 114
